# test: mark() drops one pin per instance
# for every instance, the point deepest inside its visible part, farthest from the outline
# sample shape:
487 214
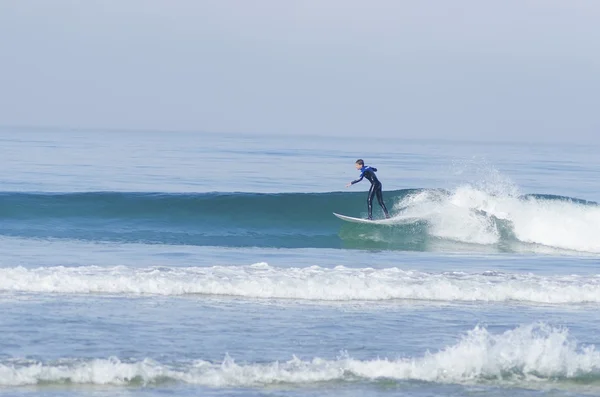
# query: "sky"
462 69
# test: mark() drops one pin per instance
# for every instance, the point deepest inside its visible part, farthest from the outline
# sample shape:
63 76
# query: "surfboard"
360 220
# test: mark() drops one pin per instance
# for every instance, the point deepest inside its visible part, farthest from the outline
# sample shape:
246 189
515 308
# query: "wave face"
424 219
309 284
532 354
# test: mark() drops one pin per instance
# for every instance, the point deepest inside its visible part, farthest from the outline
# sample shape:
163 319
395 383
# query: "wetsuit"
369 173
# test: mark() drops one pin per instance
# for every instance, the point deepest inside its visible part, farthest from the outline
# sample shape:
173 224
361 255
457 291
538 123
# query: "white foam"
309 283
557 224
448 220
532 353
459 217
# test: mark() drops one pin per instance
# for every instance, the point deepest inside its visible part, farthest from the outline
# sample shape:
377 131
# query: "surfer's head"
359 164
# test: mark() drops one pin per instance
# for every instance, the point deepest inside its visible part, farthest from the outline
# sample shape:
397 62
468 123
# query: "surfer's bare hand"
348 185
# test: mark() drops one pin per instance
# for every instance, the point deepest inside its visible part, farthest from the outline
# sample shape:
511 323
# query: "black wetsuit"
369 173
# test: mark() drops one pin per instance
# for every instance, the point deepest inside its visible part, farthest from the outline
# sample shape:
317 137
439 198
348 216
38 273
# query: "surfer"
369 173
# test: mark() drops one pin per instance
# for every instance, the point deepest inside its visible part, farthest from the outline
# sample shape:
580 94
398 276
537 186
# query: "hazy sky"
504 69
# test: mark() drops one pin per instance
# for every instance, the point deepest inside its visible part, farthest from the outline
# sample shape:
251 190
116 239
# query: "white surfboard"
396 220
361 220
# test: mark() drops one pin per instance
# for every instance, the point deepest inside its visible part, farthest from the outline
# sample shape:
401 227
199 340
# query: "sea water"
163 263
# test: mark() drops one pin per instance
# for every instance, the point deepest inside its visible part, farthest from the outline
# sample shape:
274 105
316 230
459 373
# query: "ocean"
138 263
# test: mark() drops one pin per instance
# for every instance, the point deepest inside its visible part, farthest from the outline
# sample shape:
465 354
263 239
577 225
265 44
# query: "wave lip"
308 284
535 353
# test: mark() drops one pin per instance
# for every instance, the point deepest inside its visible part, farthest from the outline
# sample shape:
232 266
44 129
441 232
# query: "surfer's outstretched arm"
355 181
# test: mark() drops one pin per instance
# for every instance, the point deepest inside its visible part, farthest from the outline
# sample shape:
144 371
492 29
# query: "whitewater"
530 353
310 283
471 215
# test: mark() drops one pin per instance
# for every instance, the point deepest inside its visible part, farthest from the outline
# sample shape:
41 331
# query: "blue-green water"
188 264
285 220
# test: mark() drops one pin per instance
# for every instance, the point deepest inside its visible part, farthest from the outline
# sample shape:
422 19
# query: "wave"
308 284
536 354
467 218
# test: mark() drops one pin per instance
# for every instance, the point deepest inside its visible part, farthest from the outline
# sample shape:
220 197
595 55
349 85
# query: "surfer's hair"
360 161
